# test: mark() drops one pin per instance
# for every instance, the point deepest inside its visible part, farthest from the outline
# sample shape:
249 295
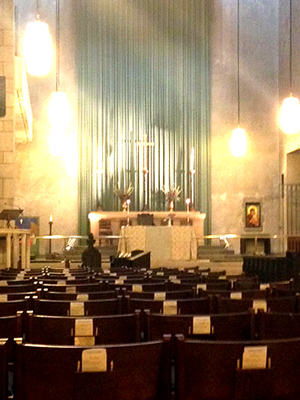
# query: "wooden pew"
112 329
170 295
86 308
80 288
238 326
3 369
133 372
183 306
77 296
277 325
12 307
214 370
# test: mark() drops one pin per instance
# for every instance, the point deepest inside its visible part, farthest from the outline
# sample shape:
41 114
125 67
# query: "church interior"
149 200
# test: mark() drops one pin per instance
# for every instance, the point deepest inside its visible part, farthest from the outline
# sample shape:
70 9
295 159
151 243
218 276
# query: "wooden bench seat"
86 308
58 330
213 370
133 372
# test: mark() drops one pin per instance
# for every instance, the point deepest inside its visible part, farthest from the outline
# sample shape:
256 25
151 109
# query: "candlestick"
50 233
188 201
192 160
128 203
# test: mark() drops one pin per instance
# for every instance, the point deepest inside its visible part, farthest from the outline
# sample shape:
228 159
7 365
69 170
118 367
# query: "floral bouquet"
172 195
124 195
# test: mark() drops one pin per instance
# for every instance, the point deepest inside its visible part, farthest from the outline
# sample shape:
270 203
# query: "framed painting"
253 216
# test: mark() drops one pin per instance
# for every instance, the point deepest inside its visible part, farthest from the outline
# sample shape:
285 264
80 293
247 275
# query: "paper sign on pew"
201 325
3 298
259 304
137 288
160 296
202 286
94 360
77 309
70 289
82 297
236 295
264 286
3 283
170 307
254 357
84 327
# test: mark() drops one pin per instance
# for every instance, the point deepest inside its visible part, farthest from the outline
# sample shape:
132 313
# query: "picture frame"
253 217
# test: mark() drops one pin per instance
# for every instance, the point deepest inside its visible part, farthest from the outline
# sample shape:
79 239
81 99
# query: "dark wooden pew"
79 296
12 307
220 327
183 306
3 370
87 308
214 370
277 325
58 330
133 372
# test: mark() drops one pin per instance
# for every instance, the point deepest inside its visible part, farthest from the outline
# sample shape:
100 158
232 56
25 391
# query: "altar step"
217 253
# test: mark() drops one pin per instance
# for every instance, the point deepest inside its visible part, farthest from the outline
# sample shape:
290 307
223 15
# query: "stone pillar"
7 142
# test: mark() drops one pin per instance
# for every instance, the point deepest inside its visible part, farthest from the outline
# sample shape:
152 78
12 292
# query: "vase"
171 206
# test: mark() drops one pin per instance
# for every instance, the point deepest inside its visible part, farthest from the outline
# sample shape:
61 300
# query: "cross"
145 145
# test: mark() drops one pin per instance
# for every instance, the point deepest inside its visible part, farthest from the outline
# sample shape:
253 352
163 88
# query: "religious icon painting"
253 215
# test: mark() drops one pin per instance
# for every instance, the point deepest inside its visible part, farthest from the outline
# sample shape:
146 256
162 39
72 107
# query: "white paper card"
160 296
70 289
94 360
3 297
119 282
84 341
236 295
202 286
259 304
123 277
160 273
137 288
176 281
201 325
71 278
3 283
264 286
76 309
61 283
172 277
170 307
254 357
222 278
84 327
82 297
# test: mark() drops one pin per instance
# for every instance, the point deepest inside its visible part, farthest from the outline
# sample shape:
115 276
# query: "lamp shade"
37 48
59 111
238 142
290 115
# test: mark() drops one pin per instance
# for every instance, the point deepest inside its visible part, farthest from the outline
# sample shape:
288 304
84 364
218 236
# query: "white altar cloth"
163 242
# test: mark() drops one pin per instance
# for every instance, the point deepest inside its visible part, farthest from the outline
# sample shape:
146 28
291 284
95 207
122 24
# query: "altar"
117 219
176 243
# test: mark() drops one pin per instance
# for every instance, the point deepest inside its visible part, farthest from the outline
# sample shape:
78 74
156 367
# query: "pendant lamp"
59 110
290 110
238 141
37 47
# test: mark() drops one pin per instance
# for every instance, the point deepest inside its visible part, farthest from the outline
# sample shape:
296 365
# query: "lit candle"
192 160
51 218
188 201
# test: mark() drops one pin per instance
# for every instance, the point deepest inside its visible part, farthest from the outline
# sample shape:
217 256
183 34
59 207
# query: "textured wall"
256 176
47 185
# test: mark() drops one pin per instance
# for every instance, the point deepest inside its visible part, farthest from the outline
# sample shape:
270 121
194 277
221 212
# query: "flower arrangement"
172 193
124 195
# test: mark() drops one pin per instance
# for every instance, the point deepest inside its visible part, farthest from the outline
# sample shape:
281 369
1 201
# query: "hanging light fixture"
37 46
238 141
59 110
290 110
